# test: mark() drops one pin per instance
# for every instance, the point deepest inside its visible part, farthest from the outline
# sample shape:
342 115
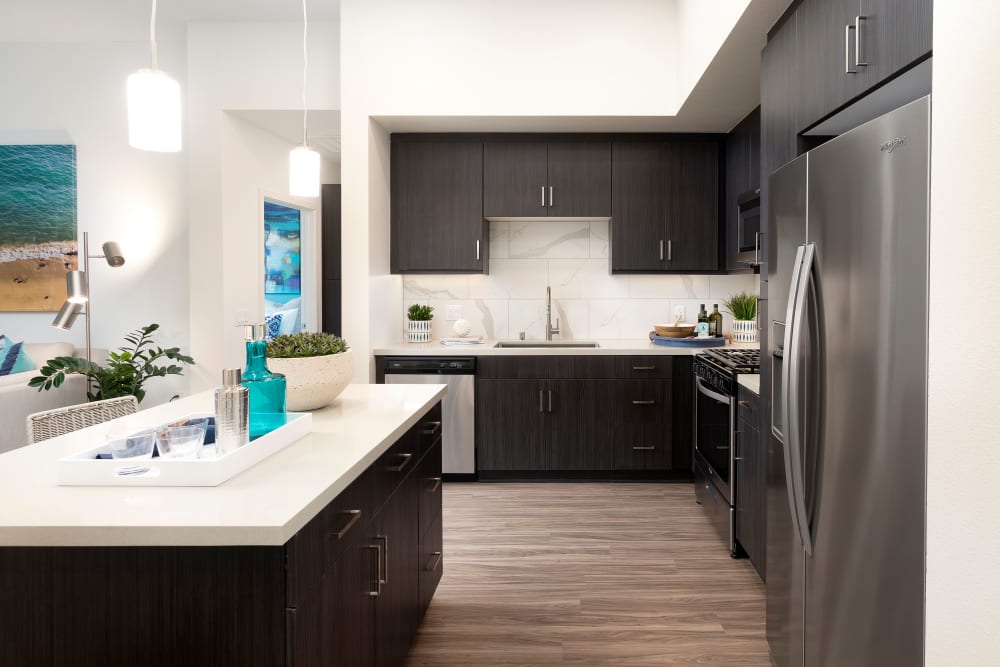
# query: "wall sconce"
78 288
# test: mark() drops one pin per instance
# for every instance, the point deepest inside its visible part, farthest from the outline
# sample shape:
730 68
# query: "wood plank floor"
588 574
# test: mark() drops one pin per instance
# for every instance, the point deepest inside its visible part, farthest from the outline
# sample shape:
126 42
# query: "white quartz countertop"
749 380
265 505
635 346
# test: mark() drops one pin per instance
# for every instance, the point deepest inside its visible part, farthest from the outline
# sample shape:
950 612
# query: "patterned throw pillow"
13 359
273 323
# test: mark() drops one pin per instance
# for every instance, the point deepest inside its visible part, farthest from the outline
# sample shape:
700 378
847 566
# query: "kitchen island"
327 552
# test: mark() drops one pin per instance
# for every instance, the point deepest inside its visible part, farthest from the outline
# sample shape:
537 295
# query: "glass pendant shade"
154 111
303 172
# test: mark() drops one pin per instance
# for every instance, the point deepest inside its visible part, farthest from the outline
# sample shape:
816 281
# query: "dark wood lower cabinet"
316 601
751 481
595 414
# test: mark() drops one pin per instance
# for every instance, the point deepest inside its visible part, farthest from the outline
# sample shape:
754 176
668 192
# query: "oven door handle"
721 398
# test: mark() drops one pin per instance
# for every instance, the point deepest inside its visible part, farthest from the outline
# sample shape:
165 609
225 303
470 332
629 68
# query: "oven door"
713 436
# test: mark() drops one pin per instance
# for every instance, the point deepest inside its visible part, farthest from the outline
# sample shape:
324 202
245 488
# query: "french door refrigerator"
848 353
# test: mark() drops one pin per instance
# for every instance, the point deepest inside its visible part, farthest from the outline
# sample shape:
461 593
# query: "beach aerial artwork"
37 225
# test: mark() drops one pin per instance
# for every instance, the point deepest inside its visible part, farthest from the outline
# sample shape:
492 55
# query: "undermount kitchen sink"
547 343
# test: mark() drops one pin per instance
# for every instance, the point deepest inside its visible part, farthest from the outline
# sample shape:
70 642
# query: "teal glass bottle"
266 389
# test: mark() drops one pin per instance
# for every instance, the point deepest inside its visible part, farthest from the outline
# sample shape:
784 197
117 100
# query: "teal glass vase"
266 389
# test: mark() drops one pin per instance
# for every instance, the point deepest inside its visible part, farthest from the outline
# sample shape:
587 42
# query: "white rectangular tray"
84 469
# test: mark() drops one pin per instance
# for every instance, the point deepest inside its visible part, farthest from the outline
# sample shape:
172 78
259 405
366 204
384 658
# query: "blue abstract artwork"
282 252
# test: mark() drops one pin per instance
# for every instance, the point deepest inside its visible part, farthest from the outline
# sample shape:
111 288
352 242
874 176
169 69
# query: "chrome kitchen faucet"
549 329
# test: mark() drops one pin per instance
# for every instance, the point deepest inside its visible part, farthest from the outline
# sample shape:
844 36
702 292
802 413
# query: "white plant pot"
745 331
314 382
418 332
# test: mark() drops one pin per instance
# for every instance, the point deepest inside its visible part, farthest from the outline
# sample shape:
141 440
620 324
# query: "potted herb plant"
743 308
317 368
418 328
127 371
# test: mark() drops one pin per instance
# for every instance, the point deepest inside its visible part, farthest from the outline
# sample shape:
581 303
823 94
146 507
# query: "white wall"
247 66
134 197
963 516
571 257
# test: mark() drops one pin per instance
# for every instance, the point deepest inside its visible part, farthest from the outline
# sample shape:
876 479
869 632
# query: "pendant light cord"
152 36
305 71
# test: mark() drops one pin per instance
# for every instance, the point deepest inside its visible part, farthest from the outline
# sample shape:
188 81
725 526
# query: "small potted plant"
743 308
317 368
419 323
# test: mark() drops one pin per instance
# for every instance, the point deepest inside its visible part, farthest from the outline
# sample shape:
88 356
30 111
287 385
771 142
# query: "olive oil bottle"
702 328
715 322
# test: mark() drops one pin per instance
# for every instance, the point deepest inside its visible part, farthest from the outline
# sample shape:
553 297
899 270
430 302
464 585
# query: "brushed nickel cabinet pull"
543 196
541 400
847 50
550 400
643 402
661 250
858 62
550 197
437 561
670 250
406 461
377 548
355 517
644 368
431 428
385 558
437 484
477 250
643 448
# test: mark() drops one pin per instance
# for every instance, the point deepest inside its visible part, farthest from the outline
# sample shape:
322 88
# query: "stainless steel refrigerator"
848 352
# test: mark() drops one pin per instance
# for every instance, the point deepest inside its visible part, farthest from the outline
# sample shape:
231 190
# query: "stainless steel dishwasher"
458 409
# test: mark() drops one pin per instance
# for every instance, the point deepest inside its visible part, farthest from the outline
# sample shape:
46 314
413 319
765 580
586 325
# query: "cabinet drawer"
345 518
428 430
641 368
389 471
429 487
643 439
748 407
430 563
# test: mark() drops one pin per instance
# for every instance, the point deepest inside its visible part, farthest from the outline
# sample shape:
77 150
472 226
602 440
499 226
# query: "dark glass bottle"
267 389
715 322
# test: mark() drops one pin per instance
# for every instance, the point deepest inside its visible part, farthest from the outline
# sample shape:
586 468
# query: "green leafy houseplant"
742 306
304 344
127 370
418 313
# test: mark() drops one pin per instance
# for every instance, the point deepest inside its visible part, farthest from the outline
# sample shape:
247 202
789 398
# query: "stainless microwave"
748 241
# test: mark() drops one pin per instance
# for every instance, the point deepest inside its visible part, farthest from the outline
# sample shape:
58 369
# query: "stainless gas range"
715 373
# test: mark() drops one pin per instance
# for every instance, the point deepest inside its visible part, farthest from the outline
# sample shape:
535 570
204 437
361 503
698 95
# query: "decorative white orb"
462 328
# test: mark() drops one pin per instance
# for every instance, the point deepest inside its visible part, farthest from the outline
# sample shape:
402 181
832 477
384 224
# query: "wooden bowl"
668 331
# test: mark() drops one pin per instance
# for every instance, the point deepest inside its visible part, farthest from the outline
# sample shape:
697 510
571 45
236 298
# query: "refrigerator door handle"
786 437
793 435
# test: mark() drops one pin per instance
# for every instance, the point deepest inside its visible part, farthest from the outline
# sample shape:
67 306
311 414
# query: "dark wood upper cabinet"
526 179
579 179
436 218
665 205
742 175
515 179
894 34
639 208
693 206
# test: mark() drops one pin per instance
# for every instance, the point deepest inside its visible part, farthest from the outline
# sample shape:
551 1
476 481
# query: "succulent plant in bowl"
317 368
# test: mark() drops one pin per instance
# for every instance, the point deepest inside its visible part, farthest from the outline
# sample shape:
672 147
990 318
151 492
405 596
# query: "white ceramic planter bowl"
314 382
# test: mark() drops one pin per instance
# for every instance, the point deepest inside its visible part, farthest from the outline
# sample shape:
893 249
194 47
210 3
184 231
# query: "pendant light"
303 162
154 105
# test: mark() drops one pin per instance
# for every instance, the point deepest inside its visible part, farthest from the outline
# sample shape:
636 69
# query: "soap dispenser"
267 389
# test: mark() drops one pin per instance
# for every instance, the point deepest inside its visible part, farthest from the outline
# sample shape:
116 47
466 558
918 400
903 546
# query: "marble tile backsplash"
572 257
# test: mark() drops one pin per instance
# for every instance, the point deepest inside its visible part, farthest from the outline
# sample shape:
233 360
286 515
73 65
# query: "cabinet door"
642 439
580 418
692 205
825 53
751 482
509 424
894 33
737 182
430 563
436 215
348 607
580 179
515 179
638 206
397 608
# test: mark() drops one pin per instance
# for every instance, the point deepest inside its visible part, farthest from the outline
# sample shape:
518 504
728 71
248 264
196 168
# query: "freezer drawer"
719 512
